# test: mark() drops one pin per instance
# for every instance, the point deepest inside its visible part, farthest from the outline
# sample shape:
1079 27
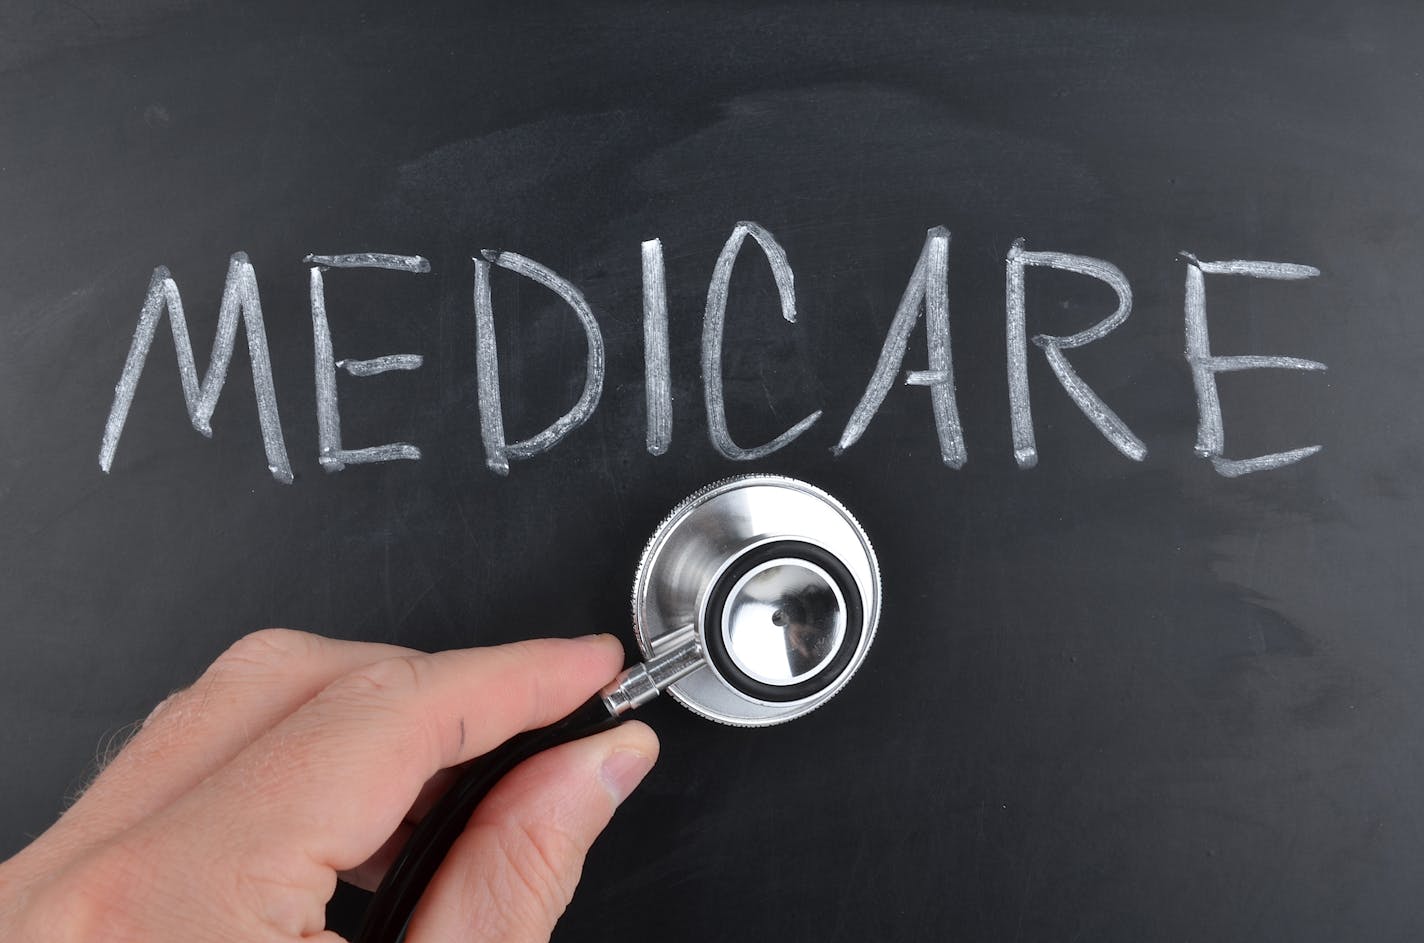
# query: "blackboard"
1114 696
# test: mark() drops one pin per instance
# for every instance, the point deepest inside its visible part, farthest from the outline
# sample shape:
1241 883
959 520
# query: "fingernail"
623 771
591 635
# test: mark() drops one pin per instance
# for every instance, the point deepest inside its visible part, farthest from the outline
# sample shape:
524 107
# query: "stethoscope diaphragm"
776 585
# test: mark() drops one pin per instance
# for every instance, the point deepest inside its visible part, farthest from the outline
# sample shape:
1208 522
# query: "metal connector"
639 684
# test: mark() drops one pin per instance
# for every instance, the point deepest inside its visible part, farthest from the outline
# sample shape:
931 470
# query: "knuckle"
387 680
387 692
93 899
163 708
257 659
289 902
169 721
519 886
265 650
545 863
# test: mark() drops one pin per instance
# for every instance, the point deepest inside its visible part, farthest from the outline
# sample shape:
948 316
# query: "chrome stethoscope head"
755 601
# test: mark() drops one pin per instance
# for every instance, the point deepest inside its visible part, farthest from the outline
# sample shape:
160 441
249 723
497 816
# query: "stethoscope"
755 601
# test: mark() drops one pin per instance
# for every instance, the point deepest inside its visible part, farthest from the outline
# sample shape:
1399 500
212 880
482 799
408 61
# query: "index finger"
335 778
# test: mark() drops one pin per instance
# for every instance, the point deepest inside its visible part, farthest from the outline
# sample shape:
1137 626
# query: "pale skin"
296 760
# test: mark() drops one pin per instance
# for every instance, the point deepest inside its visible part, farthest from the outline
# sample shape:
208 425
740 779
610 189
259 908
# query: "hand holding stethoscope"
755 601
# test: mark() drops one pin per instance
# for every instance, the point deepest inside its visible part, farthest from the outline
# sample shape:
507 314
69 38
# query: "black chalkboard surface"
1129 684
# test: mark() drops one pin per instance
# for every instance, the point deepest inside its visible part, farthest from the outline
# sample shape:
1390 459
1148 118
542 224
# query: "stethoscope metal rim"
701 540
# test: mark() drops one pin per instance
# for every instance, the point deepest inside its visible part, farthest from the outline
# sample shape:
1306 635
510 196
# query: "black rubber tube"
395 900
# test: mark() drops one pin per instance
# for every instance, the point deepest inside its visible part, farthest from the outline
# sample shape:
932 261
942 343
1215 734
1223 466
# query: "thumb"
514 870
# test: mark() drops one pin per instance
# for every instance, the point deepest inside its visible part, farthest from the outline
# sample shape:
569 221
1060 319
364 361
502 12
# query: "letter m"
239 300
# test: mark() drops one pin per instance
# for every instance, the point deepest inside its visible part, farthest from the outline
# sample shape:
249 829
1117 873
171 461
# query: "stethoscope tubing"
405 881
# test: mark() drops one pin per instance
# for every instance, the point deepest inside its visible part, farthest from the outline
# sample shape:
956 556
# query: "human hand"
296 759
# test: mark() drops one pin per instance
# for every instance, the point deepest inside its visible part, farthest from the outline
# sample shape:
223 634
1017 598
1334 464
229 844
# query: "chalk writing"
712 323
927 291
1211 432
1098 413
497 451
239 299
929 287
378 365
399 263
330 453
656 371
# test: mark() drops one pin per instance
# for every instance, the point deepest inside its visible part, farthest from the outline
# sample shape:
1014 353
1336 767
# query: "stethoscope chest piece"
775 588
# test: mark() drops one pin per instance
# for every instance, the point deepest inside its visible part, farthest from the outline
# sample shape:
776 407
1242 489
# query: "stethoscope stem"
639 684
